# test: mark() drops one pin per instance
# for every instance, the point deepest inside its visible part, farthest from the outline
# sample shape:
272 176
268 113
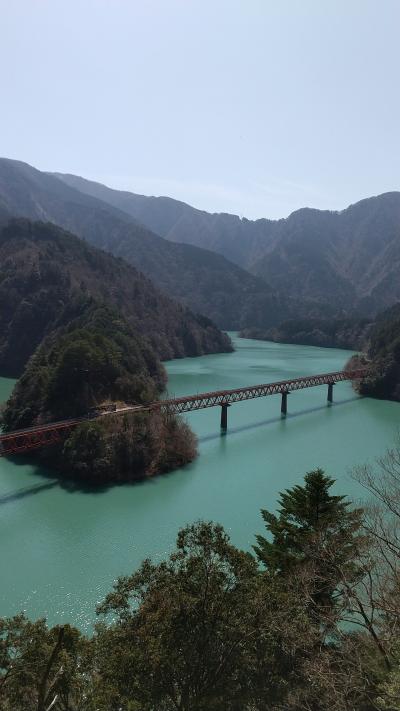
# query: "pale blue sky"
256 107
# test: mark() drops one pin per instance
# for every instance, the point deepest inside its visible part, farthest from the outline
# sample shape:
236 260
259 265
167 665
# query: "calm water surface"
60 550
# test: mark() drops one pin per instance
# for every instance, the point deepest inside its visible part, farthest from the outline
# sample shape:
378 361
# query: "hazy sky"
256 107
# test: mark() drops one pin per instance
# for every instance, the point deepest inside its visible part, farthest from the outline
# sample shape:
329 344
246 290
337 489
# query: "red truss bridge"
20 441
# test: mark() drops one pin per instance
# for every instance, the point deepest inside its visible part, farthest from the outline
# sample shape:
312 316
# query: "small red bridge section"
21 441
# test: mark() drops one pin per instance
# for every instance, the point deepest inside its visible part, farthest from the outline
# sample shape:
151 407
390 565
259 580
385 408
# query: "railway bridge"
20 441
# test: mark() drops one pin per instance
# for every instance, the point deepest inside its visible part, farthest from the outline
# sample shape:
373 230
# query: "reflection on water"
264 423
26 491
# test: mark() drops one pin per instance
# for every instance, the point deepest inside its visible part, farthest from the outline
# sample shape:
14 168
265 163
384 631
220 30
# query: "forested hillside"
85 328
96 357
383 354
202 280
240 240
348 259
45 272
350 333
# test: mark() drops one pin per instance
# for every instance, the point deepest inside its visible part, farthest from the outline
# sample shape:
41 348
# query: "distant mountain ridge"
175 220
348 259
314 263
202 280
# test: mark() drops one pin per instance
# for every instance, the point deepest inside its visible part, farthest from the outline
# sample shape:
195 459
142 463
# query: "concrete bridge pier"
224 415
284 394
330 392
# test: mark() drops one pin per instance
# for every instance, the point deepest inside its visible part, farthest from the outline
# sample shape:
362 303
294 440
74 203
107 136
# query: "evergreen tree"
316 538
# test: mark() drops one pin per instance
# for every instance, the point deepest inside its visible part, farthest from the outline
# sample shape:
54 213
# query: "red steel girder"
22 441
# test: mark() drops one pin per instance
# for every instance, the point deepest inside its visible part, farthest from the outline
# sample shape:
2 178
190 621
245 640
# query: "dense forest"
81 329
98 358
347 333
383 354
306 622
44 269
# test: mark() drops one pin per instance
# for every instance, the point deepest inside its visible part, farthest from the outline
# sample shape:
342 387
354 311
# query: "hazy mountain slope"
179 222
160 214
349 258
204 281
46 273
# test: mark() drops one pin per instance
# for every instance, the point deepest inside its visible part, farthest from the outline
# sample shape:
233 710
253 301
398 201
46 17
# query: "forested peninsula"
82 328
383 354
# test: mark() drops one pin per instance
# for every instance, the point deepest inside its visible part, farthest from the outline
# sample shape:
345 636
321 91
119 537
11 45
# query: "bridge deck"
219 397
30 438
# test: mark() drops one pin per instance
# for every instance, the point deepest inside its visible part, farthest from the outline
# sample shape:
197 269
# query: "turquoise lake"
61 549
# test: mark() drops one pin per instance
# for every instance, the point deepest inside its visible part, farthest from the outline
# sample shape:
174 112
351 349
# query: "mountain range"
204 281
242 274
348 260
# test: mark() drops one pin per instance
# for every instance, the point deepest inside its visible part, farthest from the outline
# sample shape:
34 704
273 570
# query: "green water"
61 550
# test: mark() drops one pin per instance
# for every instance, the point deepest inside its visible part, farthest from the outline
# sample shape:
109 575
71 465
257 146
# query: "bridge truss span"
217 398
20 441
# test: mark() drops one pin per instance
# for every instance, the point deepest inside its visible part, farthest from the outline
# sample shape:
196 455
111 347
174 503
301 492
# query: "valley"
200 356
